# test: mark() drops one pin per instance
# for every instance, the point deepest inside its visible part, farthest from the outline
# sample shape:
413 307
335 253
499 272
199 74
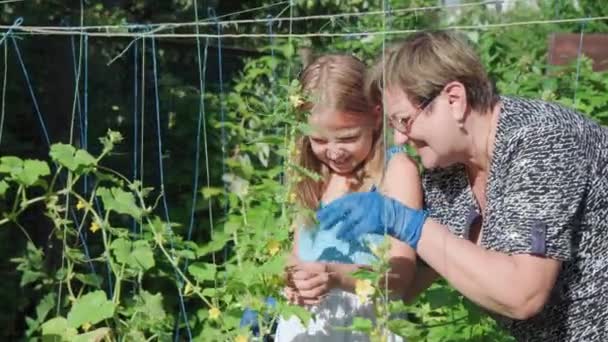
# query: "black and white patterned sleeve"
544 187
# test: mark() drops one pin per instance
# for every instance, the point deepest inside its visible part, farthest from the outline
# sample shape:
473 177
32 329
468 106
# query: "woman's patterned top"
547 195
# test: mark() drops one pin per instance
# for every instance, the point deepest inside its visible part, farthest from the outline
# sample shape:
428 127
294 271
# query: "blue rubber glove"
372 213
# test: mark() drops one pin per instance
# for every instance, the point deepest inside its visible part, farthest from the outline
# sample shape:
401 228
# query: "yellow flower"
296 101
86 326
80 205
292 197
188 289
241 338
273 247
94 227
364 289
214 313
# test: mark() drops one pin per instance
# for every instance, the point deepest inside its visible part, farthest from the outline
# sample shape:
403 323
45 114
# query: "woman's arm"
516 286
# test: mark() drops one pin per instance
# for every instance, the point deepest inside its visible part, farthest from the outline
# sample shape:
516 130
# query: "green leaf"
287 311
441 297
120 201
32 171
142 256
137 255
122 250
67 156
3 187
64 155
10 164
90 279
83 158
153 305
364 274
274 266
91 308
45 306
95 335
209 192
362 324
219 241
202 271
57 330
403 327
25 172
209 292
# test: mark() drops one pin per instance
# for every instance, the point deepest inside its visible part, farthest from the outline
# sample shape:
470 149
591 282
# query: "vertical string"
3 92
386 25
135 123
78 104
272 53
162 181
212 15
82 134
578 60
142 111
85 128
200 122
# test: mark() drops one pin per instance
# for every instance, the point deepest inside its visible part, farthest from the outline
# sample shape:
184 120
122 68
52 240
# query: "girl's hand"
309 282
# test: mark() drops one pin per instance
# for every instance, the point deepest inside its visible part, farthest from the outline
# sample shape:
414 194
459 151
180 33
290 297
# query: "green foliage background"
242 212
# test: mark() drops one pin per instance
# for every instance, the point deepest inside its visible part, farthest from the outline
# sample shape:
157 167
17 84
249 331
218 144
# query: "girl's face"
342 140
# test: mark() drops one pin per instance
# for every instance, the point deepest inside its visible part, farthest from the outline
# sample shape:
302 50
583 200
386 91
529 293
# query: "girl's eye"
402 121
317 140
349 139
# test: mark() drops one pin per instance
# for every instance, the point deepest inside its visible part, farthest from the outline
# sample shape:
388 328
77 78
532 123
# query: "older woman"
516 193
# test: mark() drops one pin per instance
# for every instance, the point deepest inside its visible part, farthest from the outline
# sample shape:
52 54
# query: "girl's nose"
335 154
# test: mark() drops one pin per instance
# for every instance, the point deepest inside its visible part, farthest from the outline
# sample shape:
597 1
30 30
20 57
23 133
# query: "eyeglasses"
403 124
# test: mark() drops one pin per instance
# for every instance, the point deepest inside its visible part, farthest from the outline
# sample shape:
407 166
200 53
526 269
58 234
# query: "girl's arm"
402 182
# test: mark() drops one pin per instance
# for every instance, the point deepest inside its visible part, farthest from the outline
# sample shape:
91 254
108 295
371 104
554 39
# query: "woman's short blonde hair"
425 62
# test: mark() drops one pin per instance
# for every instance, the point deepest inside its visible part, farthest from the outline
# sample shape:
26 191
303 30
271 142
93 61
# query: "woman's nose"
399 137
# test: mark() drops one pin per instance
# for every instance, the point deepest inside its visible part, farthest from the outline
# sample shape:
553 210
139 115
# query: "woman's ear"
457 100
378 113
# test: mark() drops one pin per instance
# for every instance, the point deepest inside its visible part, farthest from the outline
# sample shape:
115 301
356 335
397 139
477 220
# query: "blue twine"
162 182
31 90
212 15
46 136
82 137
201 122
8 32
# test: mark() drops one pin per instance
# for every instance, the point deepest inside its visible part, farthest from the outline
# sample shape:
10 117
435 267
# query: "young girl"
345 147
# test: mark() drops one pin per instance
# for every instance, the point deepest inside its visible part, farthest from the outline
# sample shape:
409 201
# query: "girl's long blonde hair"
334 83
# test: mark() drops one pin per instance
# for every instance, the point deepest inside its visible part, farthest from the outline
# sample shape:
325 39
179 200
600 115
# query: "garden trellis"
141 44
